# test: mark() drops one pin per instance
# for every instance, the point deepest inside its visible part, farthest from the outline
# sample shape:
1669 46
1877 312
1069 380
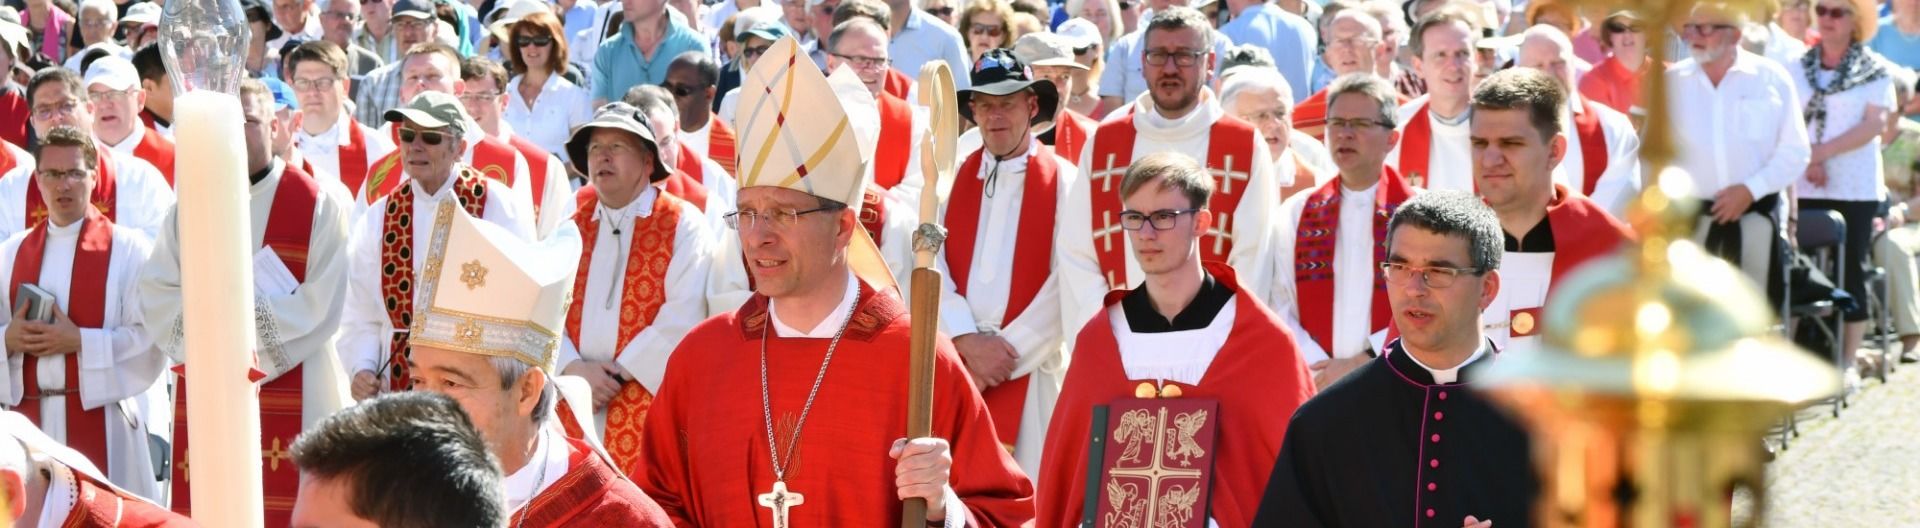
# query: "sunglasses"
542 41
678 90
430 137
1128 5
1832 12
755 51
942 12
986 29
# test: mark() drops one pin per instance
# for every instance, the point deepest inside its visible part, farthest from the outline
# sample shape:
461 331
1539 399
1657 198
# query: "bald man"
1603 152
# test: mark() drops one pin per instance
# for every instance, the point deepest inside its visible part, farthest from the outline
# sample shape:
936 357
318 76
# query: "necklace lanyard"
619 253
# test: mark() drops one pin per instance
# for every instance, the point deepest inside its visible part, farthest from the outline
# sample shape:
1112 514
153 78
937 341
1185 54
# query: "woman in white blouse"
1846 92
542 105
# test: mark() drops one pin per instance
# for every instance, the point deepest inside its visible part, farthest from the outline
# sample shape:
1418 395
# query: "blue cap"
282 94
772 30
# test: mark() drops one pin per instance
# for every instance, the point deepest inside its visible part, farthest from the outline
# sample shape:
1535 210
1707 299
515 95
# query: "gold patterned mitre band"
488 292
802 130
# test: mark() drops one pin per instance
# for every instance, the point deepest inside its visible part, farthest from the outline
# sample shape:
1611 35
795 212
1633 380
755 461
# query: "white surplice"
294 328
322 150
1352 278
1449 154
365 331
556 198
645 356
1083 286
141 196
118 363
1620 182
1035 334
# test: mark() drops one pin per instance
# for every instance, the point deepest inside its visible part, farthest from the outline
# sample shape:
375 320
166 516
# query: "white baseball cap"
113 72
1079 33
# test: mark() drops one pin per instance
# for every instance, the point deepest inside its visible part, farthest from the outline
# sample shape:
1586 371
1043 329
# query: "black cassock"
1388 447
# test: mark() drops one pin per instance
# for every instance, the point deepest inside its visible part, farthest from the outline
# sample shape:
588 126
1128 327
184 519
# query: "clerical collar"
1449 375
1537 240
259 175
1143 318
828 326
548 464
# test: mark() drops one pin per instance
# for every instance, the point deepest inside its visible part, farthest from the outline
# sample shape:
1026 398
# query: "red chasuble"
642 291
721 145
100 505
1593 145
896 141
156 150
289 233
536 168
1258 378
1070 133
105 193
1032 254
86 306
1315 240
1229 160
397 256
707 458
591 494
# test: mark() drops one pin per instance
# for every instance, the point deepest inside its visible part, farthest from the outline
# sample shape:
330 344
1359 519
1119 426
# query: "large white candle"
216 283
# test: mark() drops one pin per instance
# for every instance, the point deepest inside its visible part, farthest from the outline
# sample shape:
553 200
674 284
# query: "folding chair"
1821 234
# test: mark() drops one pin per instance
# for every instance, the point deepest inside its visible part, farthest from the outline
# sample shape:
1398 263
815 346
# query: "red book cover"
1157 469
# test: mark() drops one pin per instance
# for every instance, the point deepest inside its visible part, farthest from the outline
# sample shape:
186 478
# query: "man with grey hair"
1740 139
1262 96
1407 441
1603 152
1355 43
1324 285
1179 115
339 22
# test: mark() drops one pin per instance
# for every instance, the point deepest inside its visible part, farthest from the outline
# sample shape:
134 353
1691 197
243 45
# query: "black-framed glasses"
430 137
1434 277
541 41
1182 58
1705 29
1357 125
1161 220
745 219
57 175
862 61
754 51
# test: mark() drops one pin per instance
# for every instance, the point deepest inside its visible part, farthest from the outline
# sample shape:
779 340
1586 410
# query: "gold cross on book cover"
1154 462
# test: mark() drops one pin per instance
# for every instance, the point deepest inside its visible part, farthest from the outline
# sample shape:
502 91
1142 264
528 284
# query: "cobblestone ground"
1860 470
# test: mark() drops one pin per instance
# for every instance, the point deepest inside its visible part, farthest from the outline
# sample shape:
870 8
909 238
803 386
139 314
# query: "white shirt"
699 139
364 328
323 150
685 305
1746 131
1620 183
1853 175
1352 281
1450 154
548 465
550 120
141 197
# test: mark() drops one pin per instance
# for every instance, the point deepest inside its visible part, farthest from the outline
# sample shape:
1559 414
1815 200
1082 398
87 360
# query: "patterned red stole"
87 307
353 157
536 167
289 233
1593 145
873 213
1032 254
156 150
396 262
1318 236
896 141
643 290
721 145
1229 158
1416 147
104 193
1070 134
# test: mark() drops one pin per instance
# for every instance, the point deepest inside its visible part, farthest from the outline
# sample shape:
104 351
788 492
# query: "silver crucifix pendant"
779 500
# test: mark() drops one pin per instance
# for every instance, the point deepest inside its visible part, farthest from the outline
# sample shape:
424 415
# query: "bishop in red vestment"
77 496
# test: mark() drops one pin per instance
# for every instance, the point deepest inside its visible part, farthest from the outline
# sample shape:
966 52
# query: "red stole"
642 291
289 233
896 142
1315 240
10 158
873 214
98 504
353 158
897 84
397 253
86 306
1416 148
685 186
1228 139
536 168
590 494
156 150
721 145
1070 134
104 195
1032 254
1258 377
1593 145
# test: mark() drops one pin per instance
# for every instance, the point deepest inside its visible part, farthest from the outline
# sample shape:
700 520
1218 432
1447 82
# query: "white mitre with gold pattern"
490 293
802 130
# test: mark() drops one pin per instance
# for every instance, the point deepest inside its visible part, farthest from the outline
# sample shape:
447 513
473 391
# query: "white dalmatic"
295 321
1524 279
141 196
118 366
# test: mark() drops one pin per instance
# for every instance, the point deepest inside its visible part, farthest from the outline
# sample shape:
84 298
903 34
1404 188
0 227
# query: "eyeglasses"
942 11
678 90
610 149
1357 125
863 62
1832 12
1161 220
754 51
104 95
987 30
430 137
541 41
51 111
1435 277
479 97
57 175
745 219
1352 42
1182 58
313 84
339 16
1618 26
1704 29
410 24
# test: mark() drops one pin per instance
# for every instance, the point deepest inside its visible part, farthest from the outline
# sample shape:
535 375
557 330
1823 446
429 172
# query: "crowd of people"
567 263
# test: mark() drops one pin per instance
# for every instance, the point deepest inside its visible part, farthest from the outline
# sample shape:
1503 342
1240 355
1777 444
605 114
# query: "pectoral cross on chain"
779 500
